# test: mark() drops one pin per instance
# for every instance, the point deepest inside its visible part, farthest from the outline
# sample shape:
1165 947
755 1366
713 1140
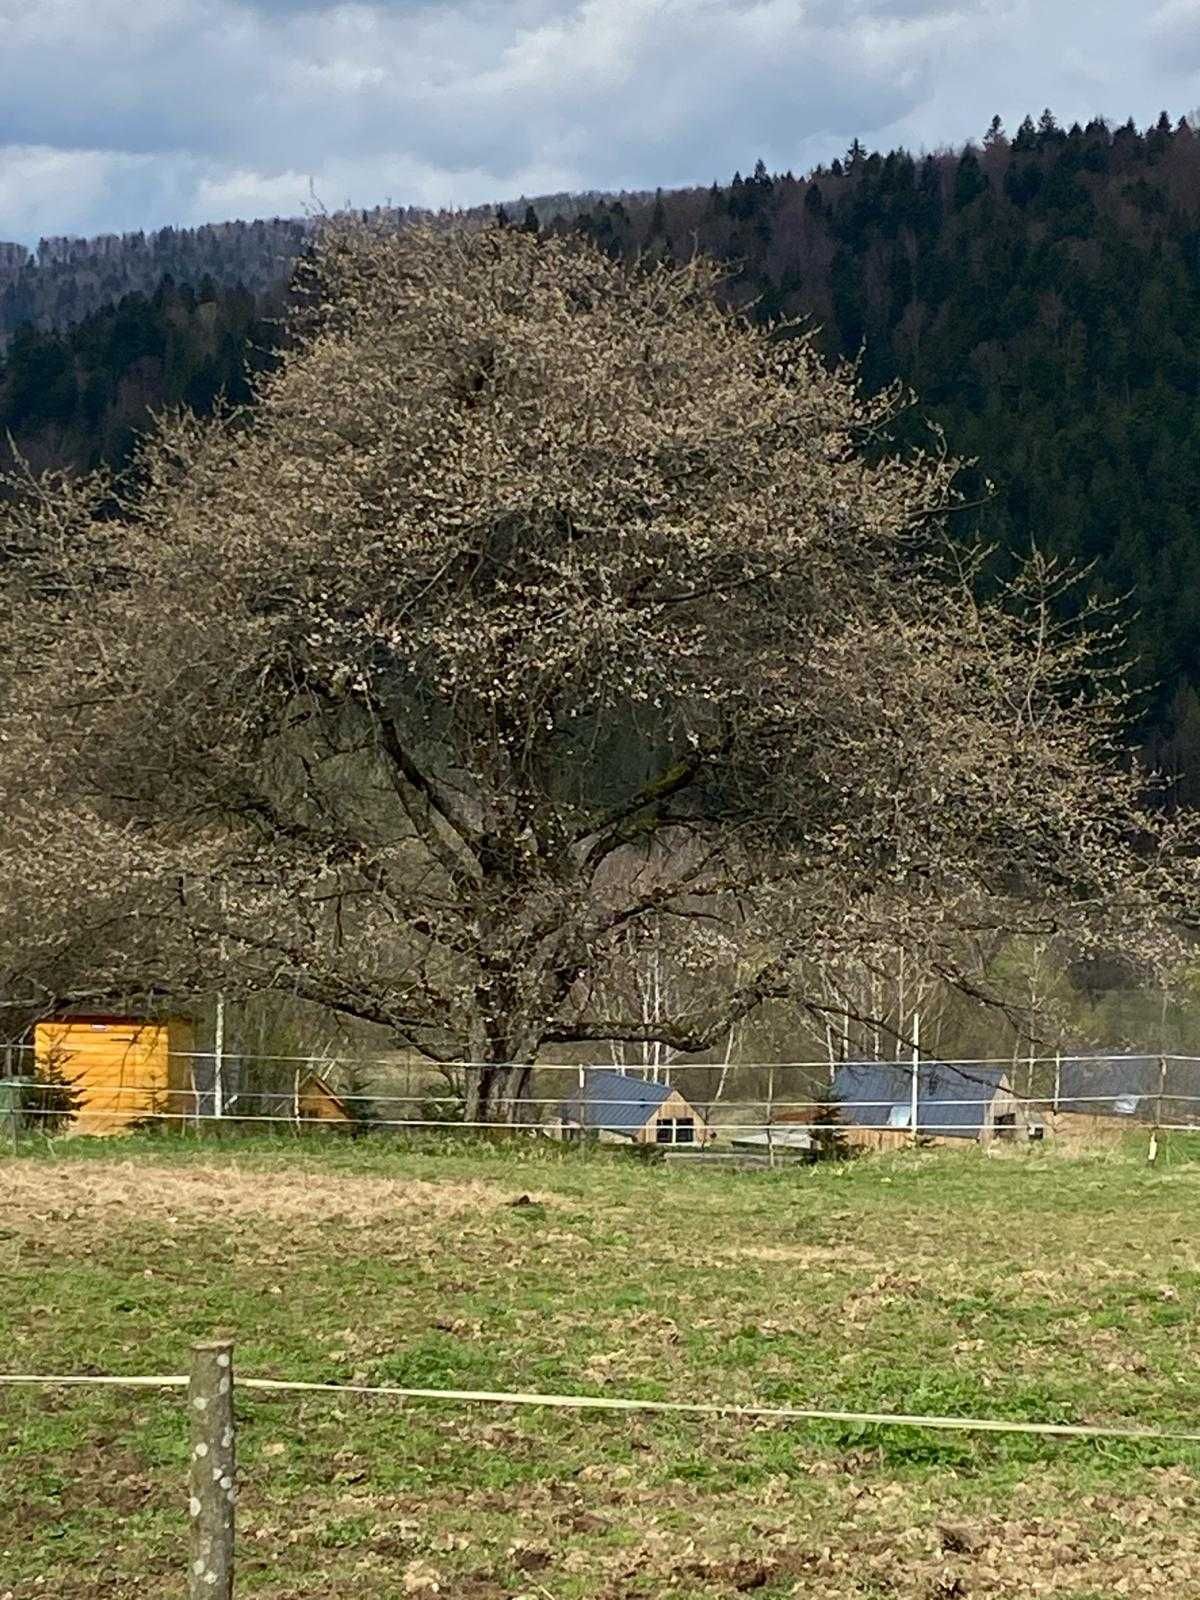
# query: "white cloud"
98 190
119 115
1176 30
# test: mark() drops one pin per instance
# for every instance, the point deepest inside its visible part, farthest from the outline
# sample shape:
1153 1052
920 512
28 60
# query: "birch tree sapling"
534 600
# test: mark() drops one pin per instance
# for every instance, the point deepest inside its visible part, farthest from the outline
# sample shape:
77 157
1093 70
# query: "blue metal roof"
952 1100
614 1101
1094 1086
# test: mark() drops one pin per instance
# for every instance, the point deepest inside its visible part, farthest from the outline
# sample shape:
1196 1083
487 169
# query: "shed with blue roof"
954 1101
622 1106
1159 1090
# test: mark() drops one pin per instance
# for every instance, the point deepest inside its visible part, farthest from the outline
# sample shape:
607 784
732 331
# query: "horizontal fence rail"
591 1402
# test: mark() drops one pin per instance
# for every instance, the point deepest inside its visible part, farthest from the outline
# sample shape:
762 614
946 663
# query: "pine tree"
827 1132
969 181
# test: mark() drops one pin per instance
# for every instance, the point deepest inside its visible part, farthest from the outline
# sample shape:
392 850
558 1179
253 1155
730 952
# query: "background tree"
538 599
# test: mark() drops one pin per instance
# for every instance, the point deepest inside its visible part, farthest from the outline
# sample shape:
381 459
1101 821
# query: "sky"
125 114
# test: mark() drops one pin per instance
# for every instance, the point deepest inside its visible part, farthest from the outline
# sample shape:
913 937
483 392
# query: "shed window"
675 1130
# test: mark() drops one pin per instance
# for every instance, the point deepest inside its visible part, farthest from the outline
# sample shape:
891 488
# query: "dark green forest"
1040 292
78 398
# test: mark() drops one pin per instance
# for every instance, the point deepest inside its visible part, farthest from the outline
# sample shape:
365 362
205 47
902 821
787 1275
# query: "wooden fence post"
213 1472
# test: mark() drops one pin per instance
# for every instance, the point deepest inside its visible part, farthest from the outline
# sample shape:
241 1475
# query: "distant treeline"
65 279
1040 291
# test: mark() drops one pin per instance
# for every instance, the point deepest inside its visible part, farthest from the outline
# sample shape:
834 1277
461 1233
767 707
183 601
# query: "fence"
212 1460
769 1102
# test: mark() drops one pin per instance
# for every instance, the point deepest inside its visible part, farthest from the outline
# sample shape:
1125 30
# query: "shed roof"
615 1101
952 1100
1130 1086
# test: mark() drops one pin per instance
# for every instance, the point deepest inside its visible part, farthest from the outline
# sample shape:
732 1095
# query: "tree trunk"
496 1092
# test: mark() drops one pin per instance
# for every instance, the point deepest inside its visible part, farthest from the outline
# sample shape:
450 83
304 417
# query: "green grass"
1027 1286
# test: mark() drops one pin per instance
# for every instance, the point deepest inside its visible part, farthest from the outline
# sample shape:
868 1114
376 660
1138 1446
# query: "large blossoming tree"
538 606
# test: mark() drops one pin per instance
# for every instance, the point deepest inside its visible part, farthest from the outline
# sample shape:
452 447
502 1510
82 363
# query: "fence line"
416 1124
587 1402
430 1064
374 1097
1027 1101
578 1106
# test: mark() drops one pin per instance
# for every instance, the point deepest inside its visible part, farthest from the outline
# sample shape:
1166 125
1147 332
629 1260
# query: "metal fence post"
1162 1088
213 1472
771 1115
1158 1109
914 1085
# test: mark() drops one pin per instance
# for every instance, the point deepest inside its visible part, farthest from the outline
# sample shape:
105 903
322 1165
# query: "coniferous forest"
1039 291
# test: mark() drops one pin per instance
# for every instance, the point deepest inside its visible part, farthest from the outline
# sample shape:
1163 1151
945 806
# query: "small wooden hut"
955 1101
317 1102
118 1071
625 1108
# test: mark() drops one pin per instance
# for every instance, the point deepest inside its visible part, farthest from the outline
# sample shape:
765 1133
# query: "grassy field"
1026 1285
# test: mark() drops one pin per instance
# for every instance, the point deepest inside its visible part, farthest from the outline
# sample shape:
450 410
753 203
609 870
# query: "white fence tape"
586 1402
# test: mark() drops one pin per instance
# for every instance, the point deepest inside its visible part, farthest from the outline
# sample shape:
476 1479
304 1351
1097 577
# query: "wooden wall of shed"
123 1070
674 1106
181 1062
1004 1103
876 1138
1085 1128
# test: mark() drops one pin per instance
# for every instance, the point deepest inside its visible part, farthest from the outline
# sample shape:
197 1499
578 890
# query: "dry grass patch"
37 1196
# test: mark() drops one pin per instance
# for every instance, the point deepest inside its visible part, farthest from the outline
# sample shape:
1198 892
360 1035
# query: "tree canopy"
1039 292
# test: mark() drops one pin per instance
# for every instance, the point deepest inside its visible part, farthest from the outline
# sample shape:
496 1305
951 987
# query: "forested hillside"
1040 292
79 397
1042 295
67 279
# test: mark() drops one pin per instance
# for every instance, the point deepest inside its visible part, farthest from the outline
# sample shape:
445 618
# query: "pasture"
1027 1285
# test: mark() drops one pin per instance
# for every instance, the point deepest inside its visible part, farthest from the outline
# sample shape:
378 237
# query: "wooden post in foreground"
213 1472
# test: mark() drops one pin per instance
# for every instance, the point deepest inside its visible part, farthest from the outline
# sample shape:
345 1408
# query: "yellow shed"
121 1070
